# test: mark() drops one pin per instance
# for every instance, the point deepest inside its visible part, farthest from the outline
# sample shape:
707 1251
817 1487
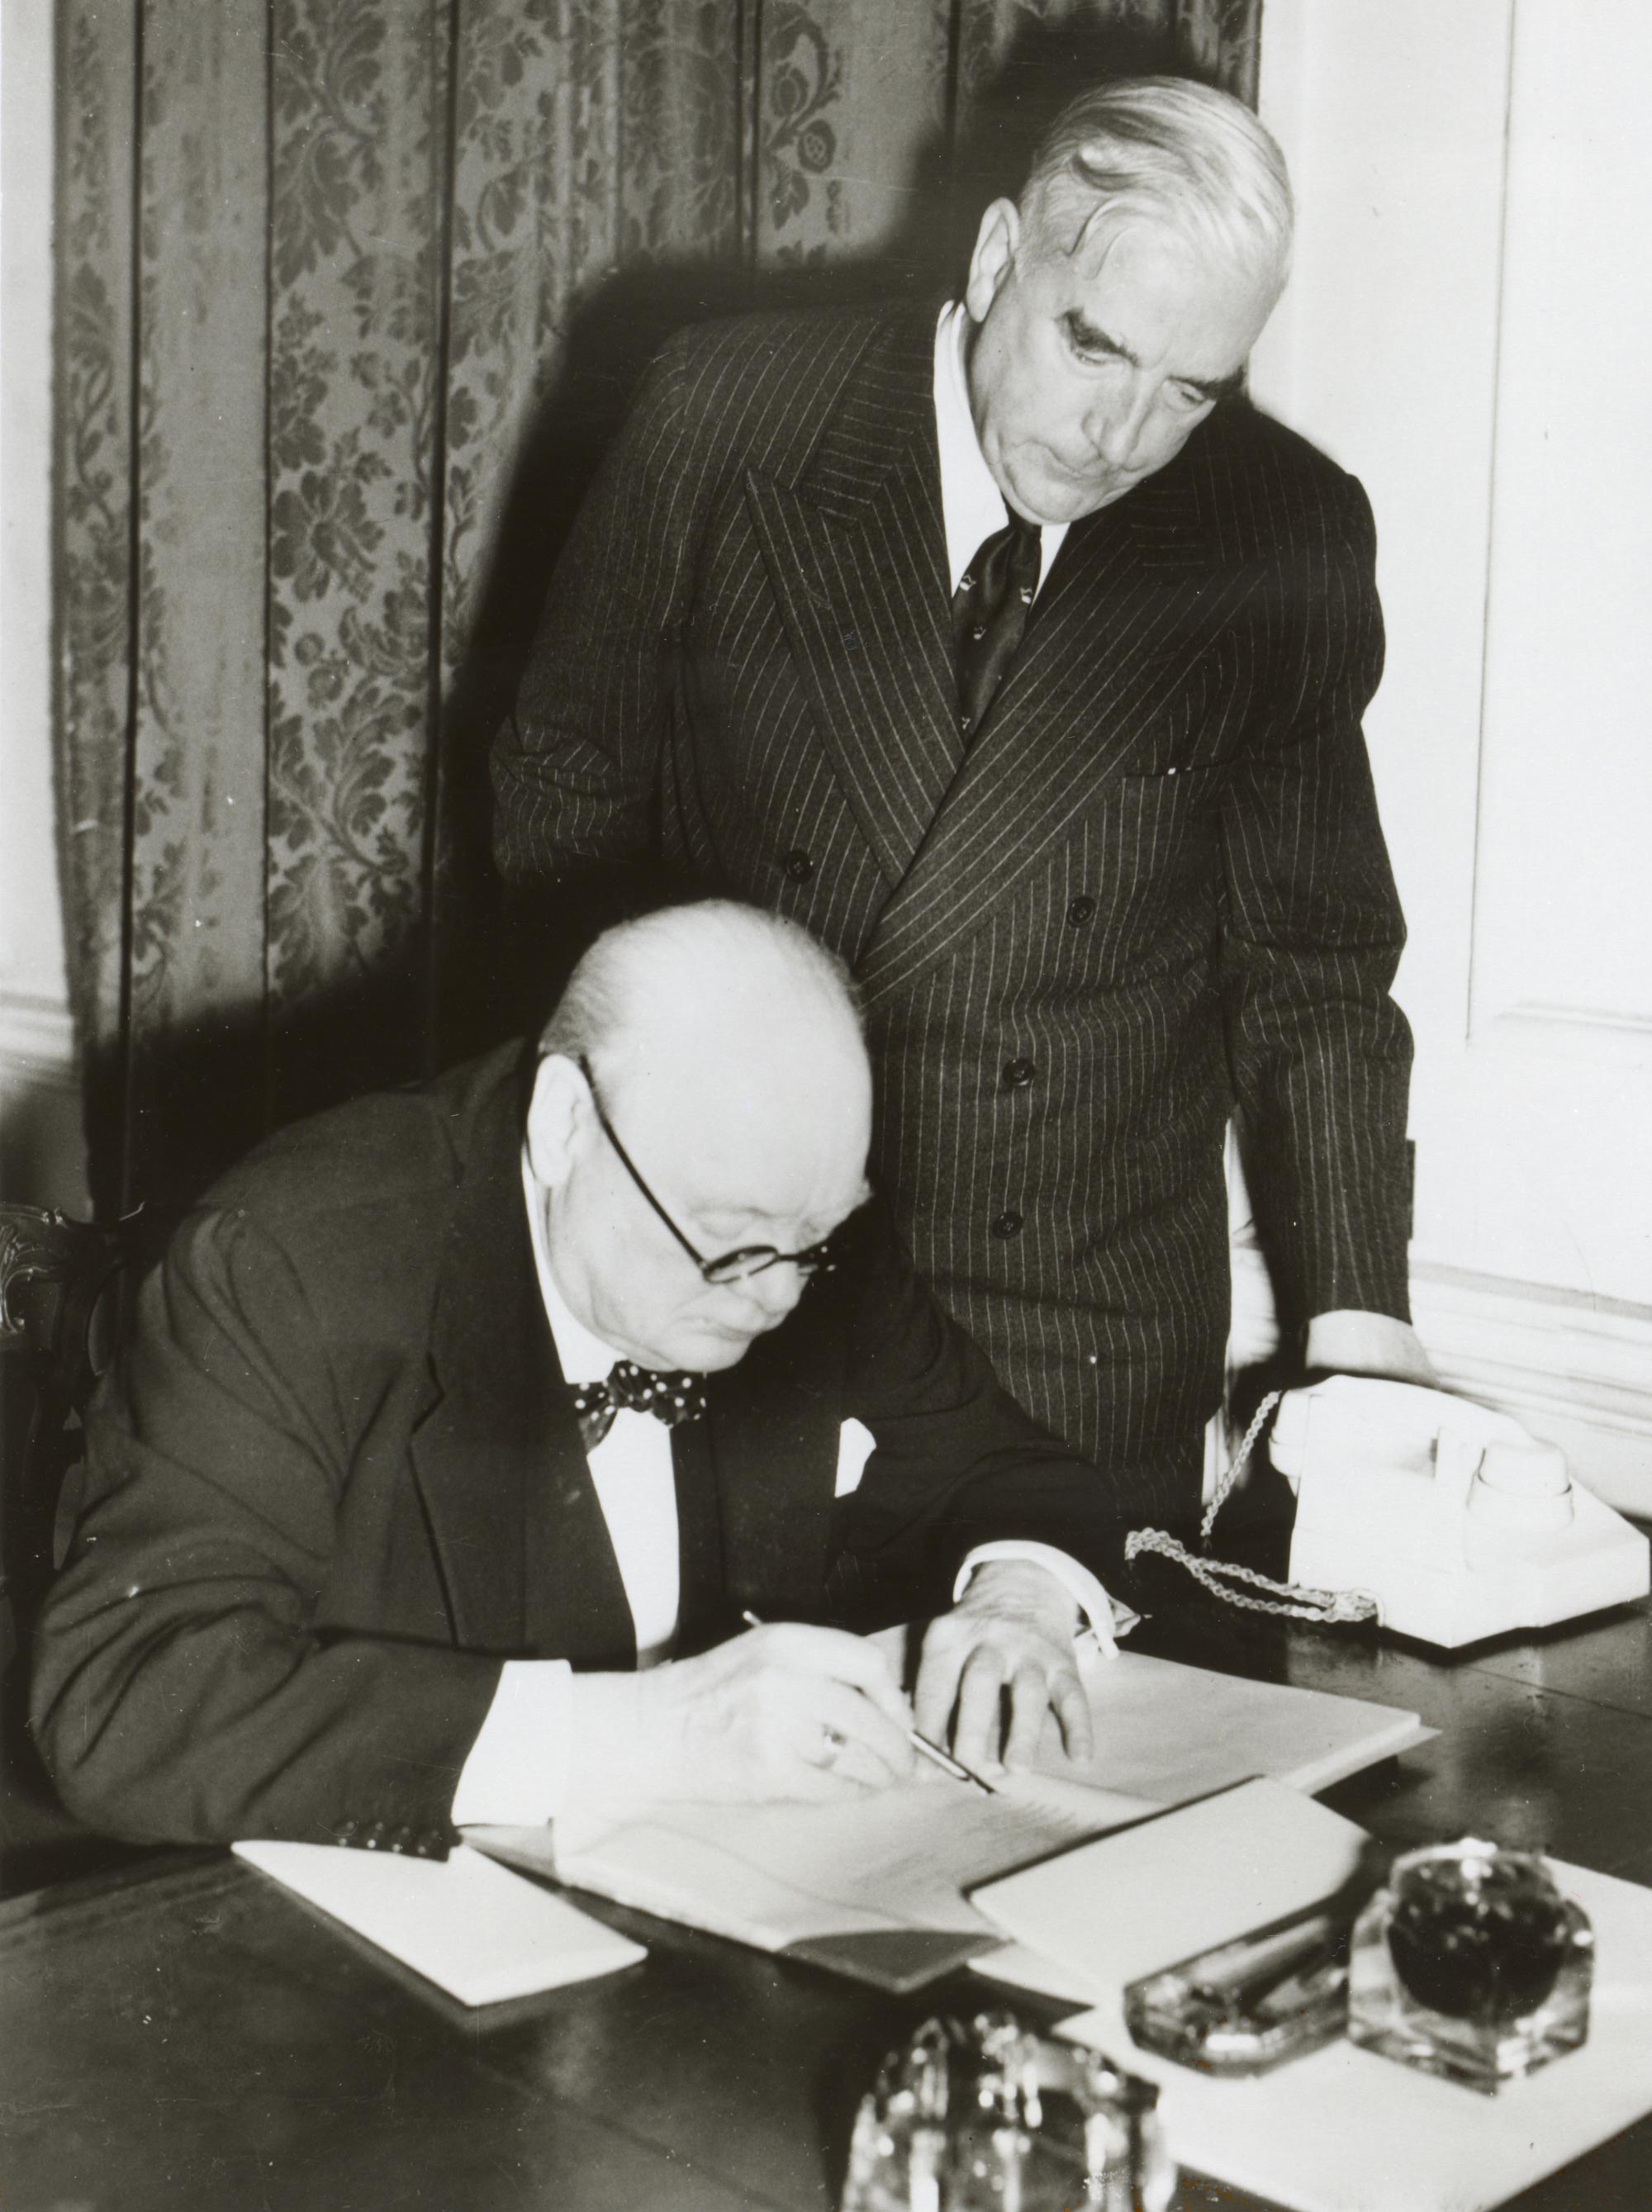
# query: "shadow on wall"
501 956
164 1119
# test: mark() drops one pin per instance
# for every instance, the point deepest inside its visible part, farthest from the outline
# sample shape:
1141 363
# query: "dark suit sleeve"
576 765
1321 1054
958 1463
182 1691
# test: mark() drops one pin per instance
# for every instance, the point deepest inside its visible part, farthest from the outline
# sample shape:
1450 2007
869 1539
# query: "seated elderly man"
389 1510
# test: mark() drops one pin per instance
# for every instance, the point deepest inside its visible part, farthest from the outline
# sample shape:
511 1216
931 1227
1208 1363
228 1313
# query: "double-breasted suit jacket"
334 1482
1152 885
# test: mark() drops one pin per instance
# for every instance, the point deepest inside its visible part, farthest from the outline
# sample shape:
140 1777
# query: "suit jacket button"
345 1832
799 865
1008 1224
1019 1074
374 1837
1081 911
401 1839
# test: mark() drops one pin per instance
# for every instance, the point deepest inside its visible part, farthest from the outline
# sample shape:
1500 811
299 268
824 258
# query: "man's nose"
1116 421
774 1292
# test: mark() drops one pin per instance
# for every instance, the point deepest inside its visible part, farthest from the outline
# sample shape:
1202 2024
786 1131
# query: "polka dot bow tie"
669 1398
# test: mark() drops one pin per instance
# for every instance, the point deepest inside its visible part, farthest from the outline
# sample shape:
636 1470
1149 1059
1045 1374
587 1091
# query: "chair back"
57 1323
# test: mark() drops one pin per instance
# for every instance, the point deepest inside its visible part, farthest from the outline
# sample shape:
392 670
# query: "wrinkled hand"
1010 1632
783 1711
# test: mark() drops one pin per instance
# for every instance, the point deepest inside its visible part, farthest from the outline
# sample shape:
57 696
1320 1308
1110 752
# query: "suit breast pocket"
1151 864
1152 818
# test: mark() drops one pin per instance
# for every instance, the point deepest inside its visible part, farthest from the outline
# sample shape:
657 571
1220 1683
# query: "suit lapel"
857 560
772 1436
513 1514
1129 606
704 1615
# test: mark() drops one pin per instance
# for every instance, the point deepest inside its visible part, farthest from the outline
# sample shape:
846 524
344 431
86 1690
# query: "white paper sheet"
1168 1732
474 1929
1125 1906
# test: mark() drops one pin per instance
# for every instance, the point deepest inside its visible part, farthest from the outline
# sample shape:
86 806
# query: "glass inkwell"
984 2116
1470 1964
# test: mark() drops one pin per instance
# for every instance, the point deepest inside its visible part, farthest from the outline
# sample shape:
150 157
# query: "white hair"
646 976
1175 152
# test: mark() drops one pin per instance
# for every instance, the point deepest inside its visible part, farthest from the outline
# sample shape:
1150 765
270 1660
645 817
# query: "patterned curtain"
350 292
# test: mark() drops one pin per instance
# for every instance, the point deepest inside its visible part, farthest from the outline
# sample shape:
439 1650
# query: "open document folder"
871 1885
874 1886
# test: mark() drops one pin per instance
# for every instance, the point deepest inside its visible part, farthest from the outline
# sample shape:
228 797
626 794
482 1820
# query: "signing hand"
782 1711
1012 1630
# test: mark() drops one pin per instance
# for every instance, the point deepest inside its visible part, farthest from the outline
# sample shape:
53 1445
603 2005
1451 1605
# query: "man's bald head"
725 1045
740 997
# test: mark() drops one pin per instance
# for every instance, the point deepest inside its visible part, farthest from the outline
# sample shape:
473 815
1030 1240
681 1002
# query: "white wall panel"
1563 911
40 1103
1467 328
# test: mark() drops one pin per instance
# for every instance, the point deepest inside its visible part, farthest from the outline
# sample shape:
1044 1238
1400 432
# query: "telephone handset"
1449 1523
1459 1521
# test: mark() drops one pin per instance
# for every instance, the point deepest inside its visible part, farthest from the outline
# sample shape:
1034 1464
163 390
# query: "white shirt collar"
584 1356
972 506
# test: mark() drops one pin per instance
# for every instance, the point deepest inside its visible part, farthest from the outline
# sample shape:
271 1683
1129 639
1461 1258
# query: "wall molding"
42 1136
37 1038
1574 1369
1572 1033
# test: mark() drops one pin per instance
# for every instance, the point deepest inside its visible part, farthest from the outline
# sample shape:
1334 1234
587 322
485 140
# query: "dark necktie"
989 612
669 1398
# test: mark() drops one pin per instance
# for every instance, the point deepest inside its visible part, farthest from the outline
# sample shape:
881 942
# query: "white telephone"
1458 1523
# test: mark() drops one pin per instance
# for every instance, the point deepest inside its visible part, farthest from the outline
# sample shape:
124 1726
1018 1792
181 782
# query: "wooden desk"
184 2036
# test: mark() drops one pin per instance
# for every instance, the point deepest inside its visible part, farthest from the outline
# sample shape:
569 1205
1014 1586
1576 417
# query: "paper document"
1127 1904
476 1930
1170 1732
852 1884
1344 2130
836 1882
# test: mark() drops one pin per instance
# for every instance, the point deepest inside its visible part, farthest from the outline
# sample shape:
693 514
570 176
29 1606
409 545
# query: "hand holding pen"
920 1744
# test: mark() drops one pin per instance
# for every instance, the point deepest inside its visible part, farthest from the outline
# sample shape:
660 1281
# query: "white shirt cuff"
1106 1619
516 1776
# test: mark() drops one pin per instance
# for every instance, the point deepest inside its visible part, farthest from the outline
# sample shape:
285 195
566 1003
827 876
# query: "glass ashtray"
1245 2005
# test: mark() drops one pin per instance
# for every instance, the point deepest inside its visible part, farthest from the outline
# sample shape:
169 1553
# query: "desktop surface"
180 2033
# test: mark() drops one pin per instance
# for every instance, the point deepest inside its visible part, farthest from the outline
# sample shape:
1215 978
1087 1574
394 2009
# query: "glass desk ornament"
1470 1964
1246 2006
985 2116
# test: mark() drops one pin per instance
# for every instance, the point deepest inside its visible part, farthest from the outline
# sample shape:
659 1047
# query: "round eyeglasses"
727 1266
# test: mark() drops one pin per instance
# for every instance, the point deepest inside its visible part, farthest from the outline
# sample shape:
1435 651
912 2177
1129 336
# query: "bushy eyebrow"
1084 333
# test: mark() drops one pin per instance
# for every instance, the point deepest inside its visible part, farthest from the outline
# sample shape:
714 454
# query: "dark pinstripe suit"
1155 885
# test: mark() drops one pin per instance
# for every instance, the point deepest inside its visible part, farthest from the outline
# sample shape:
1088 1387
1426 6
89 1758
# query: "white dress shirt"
518 1770
972 506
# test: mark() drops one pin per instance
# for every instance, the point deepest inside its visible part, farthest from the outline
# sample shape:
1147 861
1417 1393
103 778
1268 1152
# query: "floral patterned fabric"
349 294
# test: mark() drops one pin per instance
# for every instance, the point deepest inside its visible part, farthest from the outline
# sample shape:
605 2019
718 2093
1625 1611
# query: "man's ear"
559 1117
993 258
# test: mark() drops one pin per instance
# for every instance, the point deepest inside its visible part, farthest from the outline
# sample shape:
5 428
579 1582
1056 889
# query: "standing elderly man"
435 1437
1024 662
